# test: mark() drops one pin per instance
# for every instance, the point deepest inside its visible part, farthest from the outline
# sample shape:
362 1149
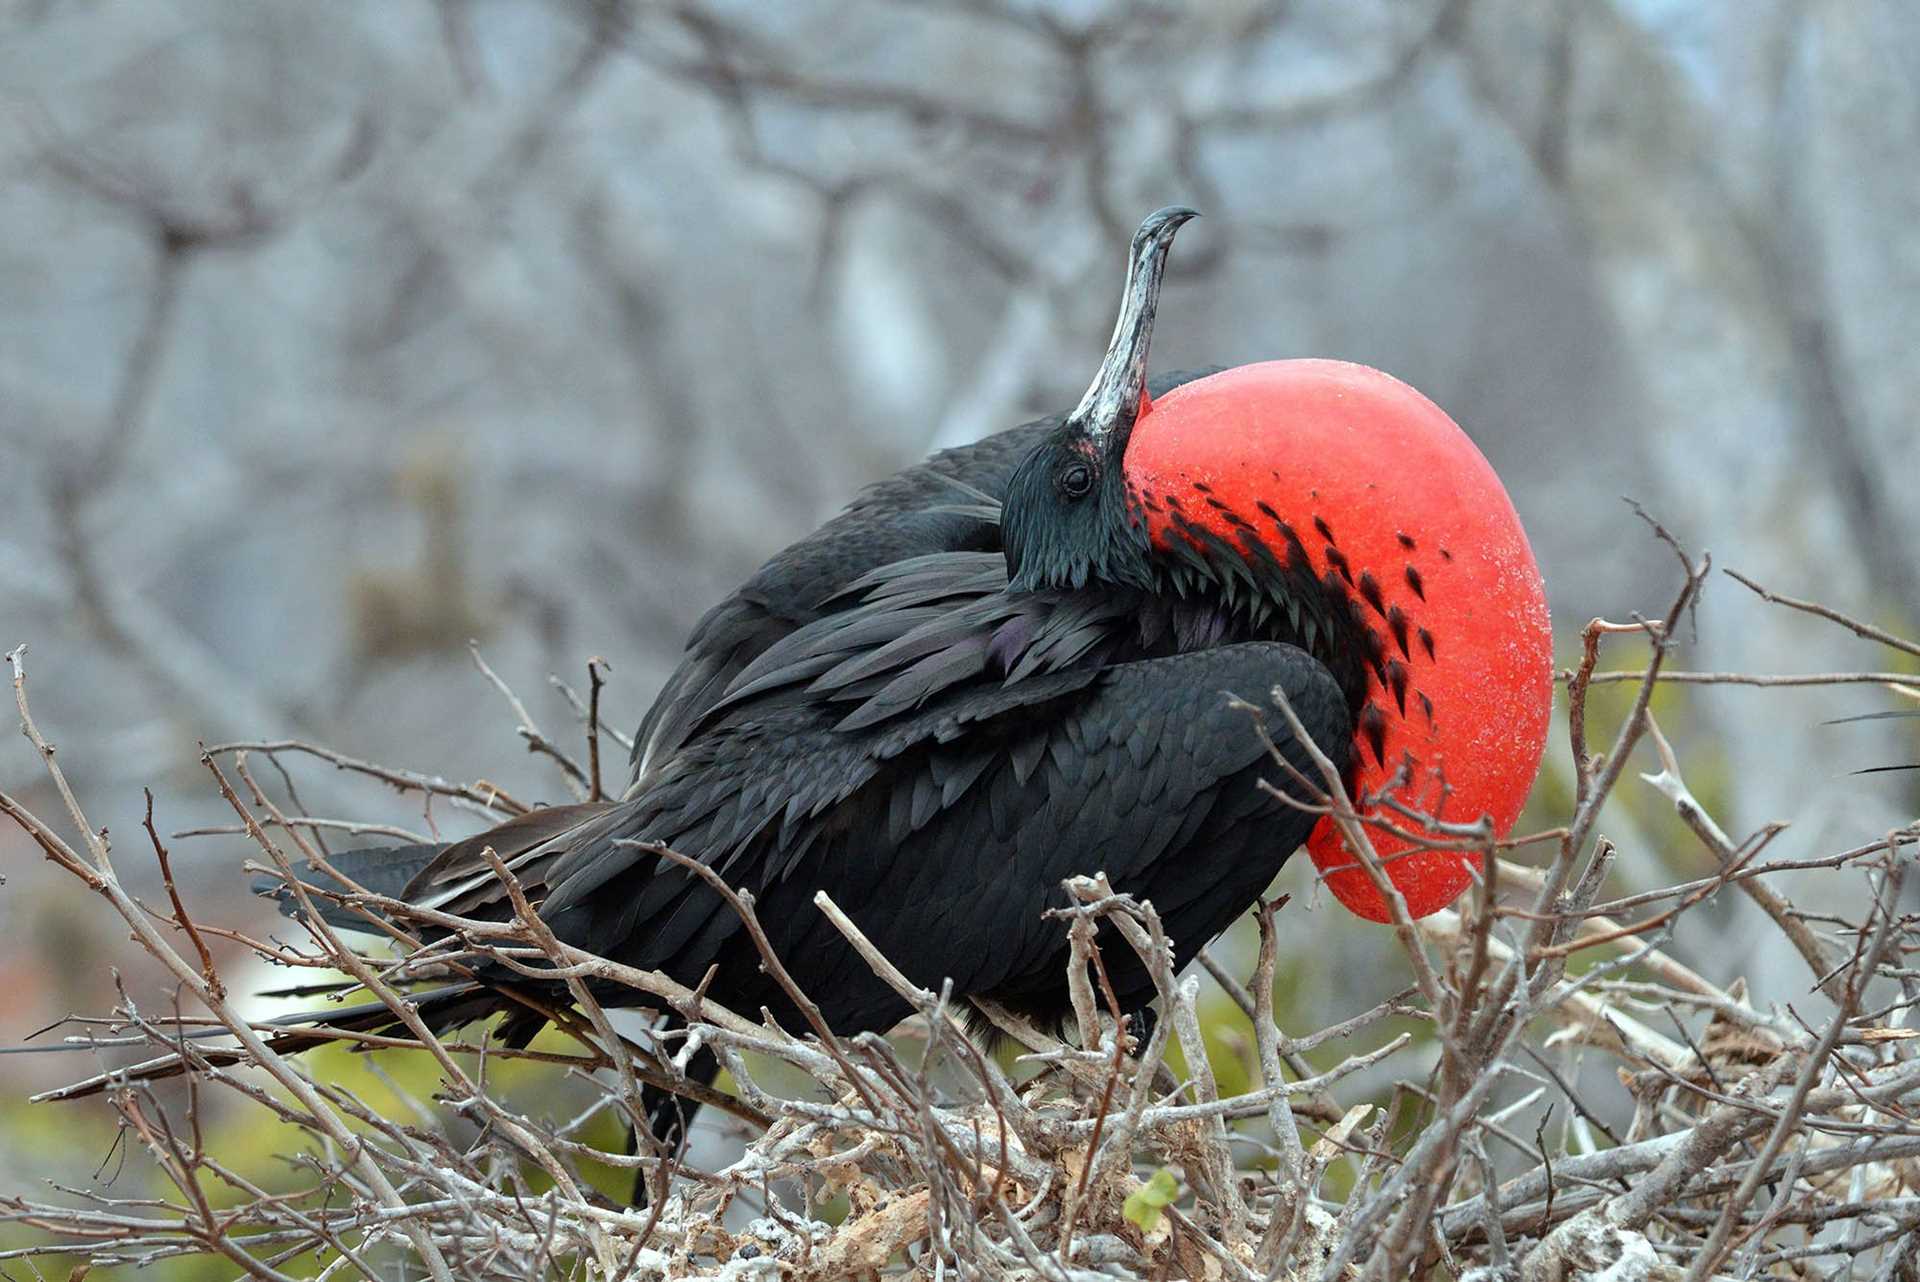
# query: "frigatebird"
1017 662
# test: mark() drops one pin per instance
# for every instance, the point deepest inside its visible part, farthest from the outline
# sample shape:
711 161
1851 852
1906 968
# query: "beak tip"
1163 222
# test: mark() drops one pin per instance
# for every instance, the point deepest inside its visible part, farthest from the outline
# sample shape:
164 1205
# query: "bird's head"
1337 508
1067 518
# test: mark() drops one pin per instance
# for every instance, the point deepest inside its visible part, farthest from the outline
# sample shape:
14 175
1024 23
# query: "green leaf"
1143 1205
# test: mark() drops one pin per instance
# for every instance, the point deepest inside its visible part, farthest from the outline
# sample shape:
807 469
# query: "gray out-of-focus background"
333 335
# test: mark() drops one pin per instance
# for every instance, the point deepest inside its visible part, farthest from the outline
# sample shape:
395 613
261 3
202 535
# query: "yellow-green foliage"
1144 1205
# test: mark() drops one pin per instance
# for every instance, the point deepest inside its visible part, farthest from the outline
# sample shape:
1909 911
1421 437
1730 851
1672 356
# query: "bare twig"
1741 1124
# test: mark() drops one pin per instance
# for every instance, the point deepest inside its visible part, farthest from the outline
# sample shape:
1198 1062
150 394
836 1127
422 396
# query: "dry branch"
1747 1140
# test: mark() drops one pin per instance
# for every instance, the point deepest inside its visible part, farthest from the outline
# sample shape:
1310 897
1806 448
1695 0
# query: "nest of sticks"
1748 1141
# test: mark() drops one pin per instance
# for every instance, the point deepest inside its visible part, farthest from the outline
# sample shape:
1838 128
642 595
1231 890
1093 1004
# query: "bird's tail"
380 870
394 872
1881 716
440 1010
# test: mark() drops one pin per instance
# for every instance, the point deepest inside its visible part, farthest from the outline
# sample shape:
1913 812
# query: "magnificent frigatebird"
1012 663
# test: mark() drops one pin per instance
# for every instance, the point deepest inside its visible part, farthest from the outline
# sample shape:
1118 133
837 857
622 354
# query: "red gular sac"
1412 540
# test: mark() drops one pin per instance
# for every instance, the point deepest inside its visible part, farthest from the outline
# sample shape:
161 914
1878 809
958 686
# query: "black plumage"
977 681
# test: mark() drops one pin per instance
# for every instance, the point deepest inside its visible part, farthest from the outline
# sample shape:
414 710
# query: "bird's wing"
1150 775
947 850
915 651
949 503
937 754
871 676
920 628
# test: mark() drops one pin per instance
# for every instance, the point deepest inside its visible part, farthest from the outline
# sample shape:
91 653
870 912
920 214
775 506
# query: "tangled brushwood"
1757 1142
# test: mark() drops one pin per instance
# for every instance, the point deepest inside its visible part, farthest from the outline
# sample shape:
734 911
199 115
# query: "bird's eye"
1075 480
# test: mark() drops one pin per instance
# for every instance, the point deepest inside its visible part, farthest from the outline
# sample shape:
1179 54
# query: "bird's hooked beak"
1106 413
